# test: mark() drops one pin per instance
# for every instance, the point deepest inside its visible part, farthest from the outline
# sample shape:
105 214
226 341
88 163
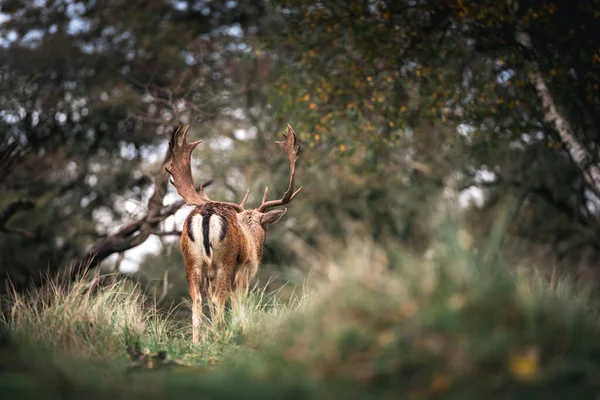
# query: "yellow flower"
312 106
306 97
342 147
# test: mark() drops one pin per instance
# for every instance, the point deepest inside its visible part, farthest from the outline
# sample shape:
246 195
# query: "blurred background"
403 108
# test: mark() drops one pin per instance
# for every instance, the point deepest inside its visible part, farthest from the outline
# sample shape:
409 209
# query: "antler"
289 146
180 169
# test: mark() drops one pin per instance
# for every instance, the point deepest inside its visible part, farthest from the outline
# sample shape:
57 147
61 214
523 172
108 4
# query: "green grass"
458 325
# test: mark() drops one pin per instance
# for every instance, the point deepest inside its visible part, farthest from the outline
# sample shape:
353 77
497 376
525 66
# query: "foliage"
391 100
381 78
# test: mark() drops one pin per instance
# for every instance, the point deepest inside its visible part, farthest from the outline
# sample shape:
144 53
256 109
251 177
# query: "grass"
457 325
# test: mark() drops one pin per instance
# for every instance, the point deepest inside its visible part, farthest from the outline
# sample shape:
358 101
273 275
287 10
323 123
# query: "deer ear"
272 216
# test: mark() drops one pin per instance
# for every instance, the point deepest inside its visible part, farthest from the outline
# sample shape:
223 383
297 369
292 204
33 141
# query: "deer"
222 242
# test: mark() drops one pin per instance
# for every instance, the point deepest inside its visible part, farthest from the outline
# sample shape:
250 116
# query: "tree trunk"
581 156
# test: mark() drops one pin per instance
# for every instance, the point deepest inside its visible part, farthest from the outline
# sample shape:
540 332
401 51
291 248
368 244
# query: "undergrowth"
459 324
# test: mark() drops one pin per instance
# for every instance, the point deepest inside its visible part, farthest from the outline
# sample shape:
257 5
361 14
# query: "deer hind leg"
194 278
241 282
224 273
220 293
244 274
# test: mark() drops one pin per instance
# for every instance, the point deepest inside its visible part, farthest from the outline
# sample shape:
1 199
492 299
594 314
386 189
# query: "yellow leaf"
457 301
440 383
312 106
342 147
386 337
525 364
464 239
408 308
306 97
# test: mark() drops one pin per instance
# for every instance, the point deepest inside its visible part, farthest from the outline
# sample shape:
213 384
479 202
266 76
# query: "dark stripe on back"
206 214
224 227
190 231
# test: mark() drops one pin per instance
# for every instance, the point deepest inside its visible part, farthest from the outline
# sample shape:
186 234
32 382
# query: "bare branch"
135 232
168 233
12 209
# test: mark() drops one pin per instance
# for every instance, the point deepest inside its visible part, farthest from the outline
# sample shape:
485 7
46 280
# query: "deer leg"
194 286
244 275
241 282
222 290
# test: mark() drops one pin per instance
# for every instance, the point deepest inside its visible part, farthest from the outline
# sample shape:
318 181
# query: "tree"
89 90
385 69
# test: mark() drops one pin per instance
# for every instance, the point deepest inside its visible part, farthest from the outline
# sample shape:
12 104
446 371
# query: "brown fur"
222 242
233 261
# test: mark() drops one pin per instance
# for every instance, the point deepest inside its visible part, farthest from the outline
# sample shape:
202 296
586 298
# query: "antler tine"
180 168
291 147
243 202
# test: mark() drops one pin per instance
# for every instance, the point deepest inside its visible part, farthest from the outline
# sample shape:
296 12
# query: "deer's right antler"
181 171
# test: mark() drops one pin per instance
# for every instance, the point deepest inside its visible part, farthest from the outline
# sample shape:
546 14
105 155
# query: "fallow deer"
222 242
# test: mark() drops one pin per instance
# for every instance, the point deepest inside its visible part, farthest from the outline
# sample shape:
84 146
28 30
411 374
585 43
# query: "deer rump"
215 247
206 229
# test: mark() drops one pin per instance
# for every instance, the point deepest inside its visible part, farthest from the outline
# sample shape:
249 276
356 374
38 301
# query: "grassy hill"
458 325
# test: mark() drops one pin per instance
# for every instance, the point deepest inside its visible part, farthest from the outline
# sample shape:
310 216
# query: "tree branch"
10 210
167 233
135 232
